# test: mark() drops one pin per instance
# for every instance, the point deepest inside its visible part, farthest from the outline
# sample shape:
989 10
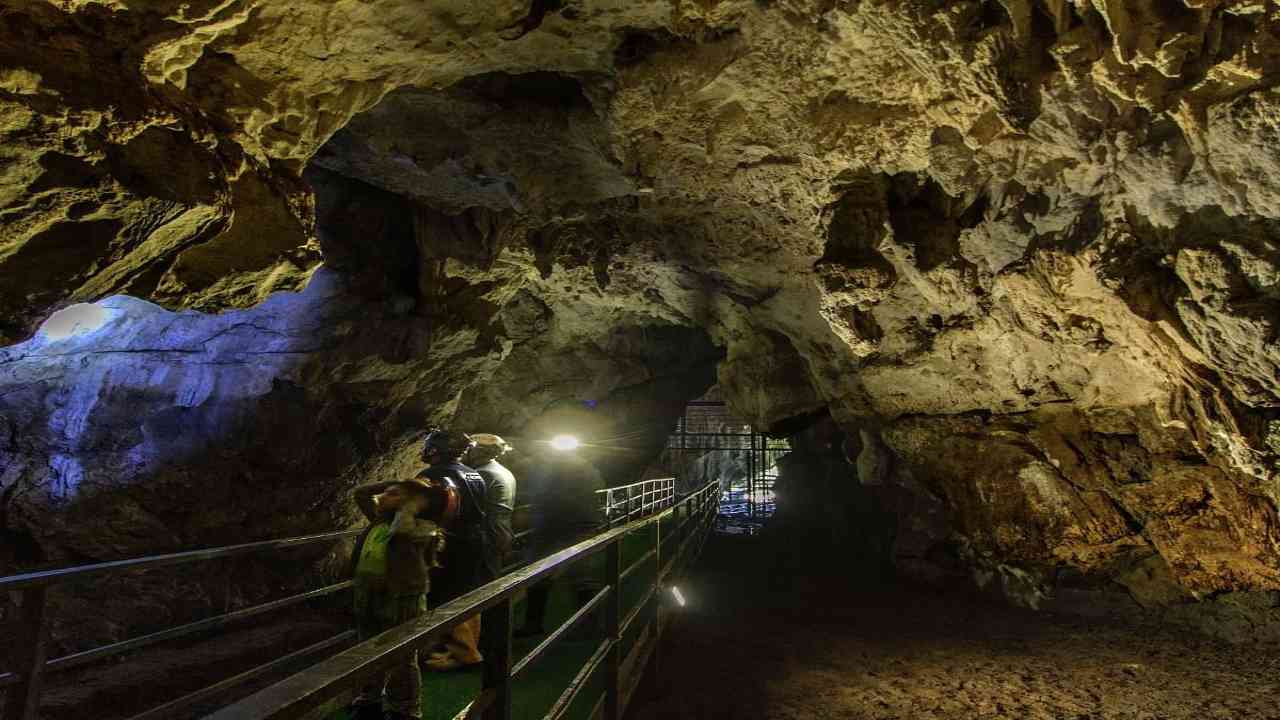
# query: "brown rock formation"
1025 249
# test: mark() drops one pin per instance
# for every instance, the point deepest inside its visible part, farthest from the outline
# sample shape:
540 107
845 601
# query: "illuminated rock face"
132 430
1025 250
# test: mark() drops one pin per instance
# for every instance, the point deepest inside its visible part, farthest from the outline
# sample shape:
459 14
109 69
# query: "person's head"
488 447
410 493
442 446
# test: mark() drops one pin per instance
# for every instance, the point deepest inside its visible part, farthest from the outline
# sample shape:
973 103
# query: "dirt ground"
830 649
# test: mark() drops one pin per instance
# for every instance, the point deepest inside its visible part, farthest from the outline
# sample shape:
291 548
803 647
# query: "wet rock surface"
1024 250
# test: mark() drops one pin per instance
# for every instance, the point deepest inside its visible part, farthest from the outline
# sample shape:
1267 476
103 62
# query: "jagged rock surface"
1025 250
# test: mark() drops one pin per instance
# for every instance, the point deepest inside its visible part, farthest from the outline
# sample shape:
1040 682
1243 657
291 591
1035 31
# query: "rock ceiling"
1027 250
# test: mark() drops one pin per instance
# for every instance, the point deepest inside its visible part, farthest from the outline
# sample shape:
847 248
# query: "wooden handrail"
314 686
45 578
23 700
67 662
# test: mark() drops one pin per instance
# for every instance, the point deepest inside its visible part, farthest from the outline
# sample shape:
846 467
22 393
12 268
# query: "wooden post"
498 660
613 622
656 617
657 551
28 657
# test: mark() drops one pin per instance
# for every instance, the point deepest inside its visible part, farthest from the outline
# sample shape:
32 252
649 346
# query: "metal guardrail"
309 689
23 684
616 505
625 502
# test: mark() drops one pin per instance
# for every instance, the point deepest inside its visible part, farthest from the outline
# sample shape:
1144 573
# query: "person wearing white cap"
500 487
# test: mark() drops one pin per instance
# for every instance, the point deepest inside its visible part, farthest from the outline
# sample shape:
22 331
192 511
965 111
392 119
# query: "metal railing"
626 502
617 504
351 668
23 683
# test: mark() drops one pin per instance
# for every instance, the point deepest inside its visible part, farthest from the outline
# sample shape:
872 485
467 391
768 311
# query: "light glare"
564 443
679 597
74 320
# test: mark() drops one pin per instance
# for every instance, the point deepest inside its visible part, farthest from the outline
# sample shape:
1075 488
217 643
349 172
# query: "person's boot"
461 648
442 662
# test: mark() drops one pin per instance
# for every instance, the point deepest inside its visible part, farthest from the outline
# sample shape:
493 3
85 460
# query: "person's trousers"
468 643
463 642
400 689
583 576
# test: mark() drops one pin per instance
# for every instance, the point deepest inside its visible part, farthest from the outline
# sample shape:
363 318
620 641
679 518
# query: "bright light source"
564 443
75 320
675 591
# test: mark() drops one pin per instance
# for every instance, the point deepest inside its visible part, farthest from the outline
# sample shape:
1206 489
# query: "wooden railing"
27 658
350 669
28 664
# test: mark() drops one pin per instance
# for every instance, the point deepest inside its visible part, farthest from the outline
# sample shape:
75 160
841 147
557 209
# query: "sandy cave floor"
829 650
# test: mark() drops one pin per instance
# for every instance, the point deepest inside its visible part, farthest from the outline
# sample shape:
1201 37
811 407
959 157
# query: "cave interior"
997 282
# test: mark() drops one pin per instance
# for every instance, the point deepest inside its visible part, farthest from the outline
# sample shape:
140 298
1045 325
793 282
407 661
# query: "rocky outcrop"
131 430
1024 249
144 430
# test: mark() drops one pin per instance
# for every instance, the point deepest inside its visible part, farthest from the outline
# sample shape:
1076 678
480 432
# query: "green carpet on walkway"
445 694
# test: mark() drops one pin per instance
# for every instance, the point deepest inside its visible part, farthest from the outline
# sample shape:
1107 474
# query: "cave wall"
1026 250
130 429
160 431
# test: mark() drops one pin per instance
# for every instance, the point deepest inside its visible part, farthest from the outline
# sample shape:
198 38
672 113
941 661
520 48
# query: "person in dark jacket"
567 510
391 576
470 558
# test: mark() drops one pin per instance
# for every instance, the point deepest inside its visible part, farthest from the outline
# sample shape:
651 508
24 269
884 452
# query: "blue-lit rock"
157 431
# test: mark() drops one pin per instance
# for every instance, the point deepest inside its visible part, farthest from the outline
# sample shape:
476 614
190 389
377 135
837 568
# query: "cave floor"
827 648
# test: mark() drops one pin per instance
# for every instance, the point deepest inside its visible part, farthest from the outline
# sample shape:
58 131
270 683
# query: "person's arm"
500 527
364 498
408 525
425 534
